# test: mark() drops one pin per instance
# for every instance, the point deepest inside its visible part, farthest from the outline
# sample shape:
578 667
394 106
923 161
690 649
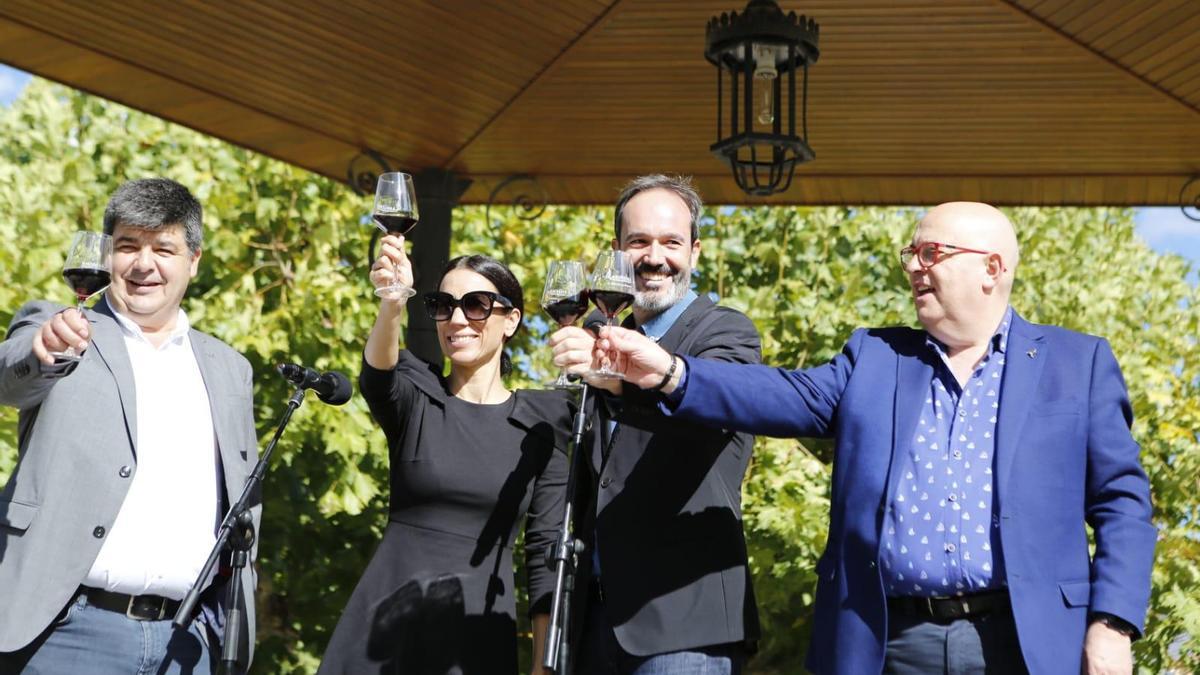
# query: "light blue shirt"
657 326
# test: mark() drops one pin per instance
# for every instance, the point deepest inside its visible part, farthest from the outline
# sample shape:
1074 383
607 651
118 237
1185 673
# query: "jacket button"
125 472
605 482
98 532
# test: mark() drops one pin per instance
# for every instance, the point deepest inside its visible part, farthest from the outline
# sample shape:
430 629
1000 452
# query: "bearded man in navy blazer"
968 458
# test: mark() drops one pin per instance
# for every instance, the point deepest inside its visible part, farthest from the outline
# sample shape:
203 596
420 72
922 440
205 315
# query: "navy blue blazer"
1064 457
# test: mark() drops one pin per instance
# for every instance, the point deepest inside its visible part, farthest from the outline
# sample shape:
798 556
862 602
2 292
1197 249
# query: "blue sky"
1165 229
12 81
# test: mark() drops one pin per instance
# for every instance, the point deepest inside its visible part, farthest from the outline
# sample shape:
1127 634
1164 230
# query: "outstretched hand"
575 352
67 329
638 358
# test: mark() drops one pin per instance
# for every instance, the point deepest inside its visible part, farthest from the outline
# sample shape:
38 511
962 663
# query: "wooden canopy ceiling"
912 101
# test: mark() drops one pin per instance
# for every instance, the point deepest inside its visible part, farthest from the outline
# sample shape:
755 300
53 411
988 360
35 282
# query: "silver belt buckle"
162 610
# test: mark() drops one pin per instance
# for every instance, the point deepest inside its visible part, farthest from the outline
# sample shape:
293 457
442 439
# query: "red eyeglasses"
930 253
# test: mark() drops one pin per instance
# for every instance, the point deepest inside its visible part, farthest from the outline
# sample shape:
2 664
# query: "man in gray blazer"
128 459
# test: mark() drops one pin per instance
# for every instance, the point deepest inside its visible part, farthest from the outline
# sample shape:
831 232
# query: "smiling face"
961 298
656 232
151 272
472 344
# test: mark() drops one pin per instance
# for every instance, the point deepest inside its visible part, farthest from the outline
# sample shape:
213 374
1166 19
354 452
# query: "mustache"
646 268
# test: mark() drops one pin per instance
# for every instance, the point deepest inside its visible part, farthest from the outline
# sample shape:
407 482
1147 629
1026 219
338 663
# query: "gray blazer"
78 451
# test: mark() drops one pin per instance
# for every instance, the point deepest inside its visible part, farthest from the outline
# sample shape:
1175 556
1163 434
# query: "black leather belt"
948 609
136 607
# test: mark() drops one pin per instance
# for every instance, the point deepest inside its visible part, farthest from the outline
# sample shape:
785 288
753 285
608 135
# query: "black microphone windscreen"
340 391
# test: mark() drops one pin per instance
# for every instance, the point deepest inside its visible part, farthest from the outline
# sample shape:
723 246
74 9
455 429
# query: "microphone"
331 387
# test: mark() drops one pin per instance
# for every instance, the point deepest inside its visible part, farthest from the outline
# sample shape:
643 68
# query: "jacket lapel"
671 342
1023 360
109 344
211 373
913 376
683 325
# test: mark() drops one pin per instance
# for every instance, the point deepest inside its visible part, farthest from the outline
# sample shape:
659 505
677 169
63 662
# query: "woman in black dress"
469 458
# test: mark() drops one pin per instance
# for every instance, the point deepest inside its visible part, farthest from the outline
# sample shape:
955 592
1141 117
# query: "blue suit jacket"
1064 456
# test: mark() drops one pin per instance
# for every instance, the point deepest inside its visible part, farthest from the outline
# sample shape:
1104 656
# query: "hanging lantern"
761 50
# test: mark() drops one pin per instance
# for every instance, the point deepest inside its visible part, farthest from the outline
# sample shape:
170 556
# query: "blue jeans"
984 644
599 653
87 639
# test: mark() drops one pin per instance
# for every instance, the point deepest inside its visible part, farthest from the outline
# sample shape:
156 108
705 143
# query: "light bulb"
764 84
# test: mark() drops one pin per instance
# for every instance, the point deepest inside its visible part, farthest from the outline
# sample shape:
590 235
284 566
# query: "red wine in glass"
395 223
567 310
612 291
395 212
611 303
564 298
87 270
86 281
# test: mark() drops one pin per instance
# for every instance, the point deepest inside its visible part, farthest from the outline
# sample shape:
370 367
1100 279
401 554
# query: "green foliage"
284 279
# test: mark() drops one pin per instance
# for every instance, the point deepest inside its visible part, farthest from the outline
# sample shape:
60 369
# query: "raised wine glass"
395 212
87 270
565 300
611 290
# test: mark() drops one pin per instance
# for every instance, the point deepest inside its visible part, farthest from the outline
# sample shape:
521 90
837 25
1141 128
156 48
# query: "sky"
1166 229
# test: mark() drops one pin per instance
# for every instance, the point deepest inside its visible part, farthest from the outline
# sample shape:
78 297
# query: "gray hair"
154 204
680 185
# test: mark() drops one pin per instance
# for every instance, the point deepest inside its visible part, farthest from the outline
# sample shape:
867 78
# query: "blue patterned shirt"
939 536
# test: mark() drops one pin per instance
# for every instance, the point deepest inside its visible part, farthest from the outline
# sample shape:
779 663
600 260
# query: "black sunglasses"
476 305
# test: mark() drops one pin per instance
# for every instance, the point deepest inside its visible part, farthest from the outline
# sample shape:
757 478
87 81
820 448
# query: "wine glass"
565 300
611 290
87 270
395 212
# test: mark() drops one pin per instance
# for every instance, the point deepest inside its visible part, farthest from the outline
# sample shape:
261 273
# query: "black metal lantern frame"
763 162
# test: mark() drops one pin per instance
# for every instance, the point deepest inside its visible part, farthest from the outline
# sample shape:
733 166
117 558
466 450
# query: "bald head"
975 225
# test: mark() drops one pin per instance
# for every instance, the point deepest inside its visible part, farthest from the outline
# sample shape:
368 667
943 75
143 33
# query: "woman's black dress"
438 593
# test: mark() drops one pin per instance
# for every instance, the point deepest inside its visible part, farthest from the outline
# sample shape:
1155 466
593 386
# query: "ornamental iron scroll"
522 193
1189 199
364 170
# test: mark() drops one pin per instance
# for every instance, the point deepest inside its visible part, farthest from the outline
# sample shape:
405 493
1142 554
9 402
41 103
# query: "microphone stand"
564 557
237 534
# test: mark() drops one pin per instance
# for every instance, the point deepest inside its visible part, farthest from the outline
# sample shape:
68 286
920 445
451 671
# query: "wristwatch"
1116 623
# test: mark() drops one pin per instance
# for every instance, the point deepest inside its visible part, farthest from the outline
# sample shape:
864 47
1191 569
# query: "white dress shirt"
166 525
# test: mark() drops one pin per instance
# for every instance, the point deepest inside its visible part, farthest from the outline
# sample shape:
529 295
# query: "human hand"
1106 651
638 358
392 267
65 330
574 352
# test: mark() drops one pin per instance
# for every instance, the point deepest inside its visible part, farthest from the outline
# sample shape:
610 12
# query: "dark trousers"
976 645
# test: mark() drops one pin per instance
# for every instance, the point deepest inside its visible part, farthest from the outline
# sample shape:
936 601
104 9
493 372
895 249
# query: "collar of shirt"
131 329
999 337
657 326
